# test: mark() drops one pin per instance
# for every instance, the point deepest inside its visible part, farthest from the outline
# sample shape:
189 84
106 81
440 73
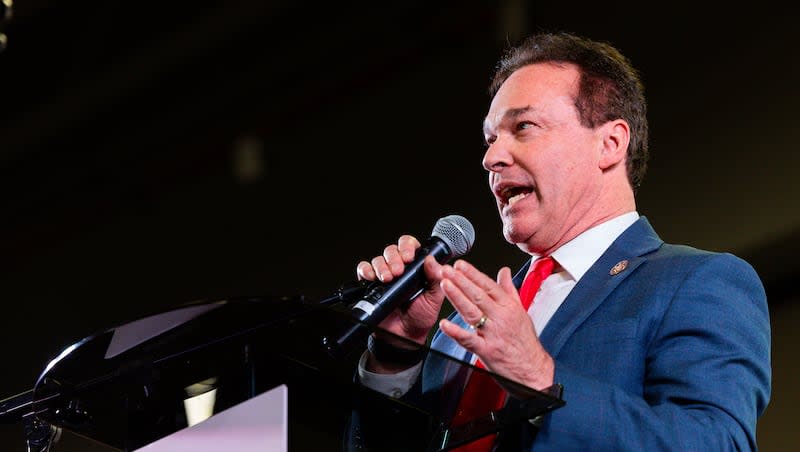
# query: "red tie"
482 393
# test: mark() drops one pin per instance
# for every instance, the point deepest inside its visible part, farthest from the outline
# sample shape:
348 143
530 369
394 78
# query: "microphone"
452 237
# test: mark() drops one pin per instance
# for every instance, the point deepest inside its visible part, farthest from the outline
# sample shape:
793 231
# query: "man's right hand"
415 319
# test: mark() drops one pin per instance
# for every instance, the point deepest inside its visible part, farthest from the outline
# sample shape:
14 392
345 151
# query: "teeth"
516 198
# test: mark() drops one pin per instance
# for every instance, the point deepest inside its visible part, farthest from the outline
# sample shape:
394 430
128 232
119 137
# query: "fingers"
464 337
472 292
505 281
407 245
391 263
433 273
365 271
468 308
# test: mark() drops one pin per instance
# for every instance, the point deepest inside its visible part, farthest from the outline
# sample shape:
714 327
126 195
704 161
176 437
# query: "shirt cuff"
392 385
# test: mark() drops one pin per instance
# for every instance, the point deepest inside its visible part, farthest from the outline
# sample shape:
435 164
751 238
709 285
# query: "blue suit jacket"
672 353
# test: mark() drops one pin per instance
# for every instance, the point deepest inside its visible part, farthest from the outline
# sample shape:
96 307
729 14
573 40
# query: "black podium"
128 387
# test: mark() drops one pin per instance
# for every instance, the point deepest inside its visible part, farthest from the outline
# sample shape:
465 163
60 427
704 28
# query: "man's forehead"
494 118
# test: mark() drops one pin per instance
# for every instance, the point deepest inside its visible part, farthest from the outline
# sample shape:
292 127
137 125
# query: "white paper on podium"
256 425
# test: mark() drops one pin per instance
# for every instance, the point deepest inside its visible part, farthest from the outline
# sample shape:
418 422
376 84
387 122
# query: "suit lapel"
599 281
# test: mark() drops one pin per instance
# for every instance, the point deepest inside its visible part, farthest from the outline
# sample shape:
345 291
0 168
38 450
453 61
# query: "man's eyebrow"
516 112
511 113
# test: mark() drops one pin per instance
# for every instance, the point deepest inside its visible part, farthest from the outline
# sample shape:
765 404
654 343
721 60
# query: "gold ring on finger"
480 323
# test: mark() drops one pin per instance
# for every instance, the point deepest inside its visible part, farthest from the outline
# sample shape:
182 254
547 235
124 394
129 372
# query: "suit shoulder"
686 252
700 261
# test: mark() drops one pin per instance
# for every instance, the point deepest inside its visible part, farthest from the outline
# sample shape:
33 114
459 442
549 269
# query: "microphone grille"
457 232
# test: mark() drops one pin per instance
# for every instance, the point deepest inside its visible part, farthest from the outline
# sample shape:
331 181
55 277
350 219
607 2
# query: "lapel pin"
621 265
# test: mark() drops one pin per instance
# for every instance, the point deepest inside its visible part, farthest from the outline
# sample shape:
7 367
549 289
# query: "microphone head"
457 232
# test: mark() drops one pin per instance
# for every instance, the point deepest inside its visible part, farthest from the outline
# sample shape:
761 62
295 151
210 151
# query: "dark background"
156 154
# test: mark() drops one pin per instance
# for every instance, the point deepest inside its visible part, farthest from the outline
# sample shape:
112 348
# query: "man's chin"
514 233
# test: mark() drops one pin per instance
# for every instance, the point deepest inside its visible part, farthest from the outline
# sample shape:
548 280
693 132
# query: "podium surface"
129 387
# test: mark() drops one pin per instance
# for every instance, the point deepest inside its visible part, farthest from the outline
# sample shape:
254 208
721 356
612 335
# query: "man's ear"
616 136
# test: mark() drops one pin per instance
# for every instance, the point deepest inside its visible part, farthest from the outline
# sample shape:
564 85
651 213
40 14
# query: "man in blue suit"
657 346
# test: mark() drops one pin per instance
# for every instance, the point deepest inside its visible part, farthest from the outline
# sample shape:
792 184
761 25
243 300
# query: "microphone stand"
349 292
39 434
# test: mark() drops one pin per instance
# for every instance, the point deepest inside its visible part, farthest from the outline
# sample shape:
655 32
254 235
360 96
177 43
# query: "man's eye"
489 140
524 125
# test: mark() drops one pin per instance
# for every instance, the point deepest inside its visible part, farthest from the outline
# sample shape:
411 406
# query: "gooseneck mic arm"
349 292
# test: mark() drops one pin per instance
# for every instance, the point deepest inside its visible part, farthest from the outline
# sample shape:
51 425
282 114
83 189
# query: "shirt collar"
580 253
